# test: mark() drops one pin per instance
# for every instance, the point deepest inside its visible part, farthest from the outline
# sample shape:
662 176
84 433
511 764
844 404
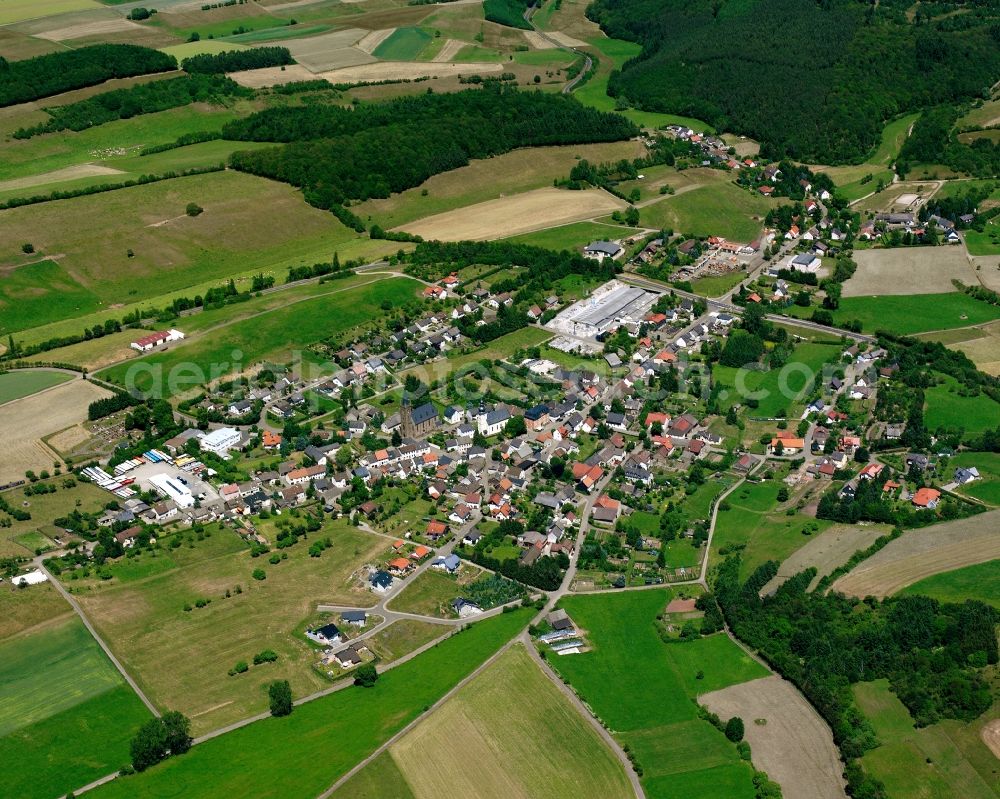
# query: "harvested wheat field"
406 70
271 76
374 39
921 553
565 40
104 26
519 213
58 176
24 422
826 551
328 50
450 49
909 270
981 343
788 738
537 41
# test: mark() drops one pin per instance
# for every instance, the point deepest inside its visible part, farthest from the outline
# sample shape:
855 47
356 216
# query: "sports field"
945 760
717 209
23 382
981 581
140 612
908 271
642 689
519 213
535 746
65 714
305 753
788 738
923 553
271 333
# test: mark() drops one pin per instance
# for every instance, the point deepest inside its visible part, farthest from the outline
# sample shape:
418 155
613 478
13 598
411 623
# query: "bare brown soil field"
59 175
449 51
374 39
826 551
793 745
100 27
24 422
328 50
406 70
909 270
922 553
520 213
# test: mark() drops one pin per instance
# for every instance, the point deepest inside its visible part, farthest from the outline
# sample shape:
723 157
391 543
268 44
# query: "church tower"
406 418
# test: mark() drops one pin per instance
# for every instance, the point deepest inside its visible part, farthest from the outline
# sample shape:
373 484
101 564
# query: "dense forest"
46 75
146 98
815 81
235 60
336 154
931 653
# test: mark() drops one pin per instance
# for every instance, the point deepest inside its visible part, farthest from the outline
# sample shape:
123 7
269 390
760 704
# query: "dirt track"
921 553
519 213
794 746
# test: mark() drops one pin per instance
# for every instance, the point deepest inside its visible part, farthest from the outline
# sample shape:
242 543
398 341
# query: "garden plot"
788 738
520 213
909 270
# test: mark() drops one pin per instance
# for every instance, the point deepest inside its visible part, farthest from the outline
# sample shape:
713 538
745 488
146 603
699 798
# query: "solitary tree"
280 694
193 209
149 746
366 675
734 729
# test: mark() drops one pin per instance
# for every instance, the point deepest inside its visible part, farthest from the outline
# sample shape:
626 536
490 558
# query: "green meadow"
909 314
981 581
267 335
403 44
66 715
716 209
642 689
987 488
24 382
946 407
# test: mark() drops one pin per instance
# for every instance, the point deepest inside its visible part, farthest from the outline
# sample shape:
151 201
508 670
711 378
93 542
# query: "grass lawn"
934 762
987 488
753 522
574 236
140 613
300 760
717 286
403 44
403 637
65 713
918 313
946 408
784 389
538 746
699 504
985 243
642 689
266 336
23 382
431 593
981 581
248 223
717 209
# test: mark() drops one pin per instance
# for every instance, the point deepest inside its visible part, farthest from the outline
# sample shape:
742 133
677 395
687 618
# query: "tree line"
236 60
931 653
934 141
811 81
337 155
46 75
146 98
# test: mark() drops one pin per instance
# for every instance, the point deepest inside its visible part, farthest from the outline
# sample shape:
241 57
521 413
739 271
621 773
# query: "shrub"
193 209
240 668
259 574
267 656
